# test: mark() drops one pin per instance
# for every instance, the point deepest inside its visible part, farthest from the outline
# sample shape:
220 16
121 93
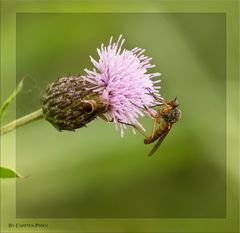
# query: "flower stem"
21 121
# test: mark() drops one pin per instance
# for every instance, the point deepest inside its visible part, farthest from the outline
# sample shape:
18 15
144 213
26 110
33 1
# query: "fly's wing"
159 142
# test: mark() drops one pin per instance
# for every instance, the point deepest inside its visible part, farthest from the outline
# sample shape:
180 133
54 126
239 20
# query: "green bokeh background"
93 173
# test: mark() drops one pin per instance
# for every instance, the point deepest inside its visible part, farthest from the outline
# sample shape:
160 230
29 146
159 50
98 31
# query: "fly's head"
174 113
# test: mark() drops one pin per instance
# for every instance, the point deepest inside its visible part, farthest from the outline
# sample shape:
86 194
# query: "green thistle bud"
70 103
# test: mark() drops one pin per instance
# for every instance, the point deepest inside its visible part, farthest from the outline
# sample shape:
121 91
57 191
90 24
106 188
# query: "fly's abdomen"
164 126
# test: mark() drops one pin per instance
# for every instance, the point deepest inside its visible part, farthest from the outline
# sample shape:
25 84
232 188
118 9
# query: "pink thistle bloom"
121 78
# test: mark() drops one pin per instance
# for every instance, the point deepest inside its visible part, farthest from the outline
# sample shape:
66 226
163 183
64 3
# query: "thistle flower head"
121 77
68 104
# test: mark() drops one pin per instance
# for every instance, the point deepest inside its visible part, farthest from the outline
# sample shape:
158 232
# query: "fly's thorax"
173 115
69 103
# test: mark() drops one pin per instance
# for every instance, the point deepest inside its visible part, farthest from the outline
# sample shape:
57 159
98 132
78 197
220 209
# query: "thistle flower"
121 78
117 89
69 104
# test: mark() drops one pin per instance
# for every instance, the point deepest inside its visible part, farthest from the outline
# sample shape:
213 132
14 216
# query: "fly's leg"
154 127
157 99
166 108
153 115
146 109
124 123
155 132
135 127
155 105
148 139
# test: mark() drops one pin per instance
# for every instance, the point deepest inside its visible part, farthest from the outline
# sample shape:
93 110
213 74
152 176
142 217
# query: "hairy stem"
21 121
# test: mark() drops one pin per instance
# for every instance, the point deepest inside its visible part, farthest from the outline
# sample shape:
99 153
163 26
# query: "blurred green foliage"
94 173
6 172
6 103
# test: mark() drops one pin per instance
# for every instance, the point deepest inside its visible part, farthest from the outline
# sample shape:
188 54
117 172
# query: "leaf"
10 98
8 173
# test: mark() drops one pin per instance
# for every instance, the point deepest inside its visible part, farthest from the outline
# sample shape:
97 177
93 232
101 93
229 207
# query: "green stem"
21 121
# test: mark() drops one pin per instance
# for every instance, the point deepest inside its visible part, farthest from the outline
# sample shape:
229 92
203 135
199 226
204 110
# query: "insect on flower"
168 114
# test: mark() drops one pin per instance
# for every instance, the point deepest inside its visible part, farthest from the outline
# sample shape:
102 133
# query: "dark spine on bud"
70 103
